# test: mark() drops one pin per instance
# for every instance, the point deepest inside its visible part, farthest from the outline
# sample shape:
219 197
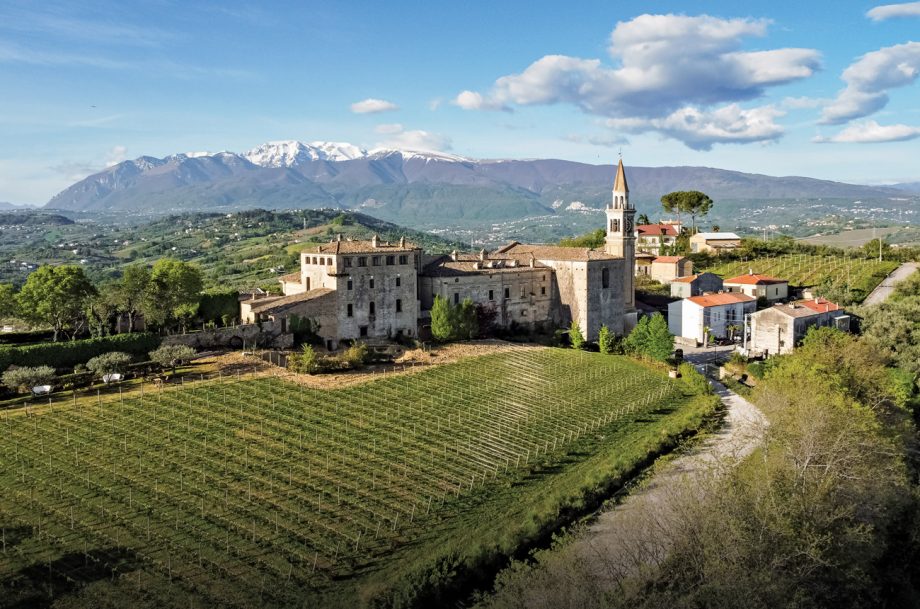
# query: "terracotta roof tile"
363 247
713 300
651 230
276 304
668 259
754 279
465 264
555 252
687 279
290 277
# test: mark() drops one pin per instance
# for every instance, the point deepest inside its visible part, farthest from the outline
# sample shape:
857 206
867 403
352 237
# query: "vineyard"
843 277
260 492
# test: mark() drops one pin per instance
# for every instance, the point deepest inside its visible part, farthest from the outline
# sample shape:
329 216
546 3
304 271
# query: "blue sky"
824 89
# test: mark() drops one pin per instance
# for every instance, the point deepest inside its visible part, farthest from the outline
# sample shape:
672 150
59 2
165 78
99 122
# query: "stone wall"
265 334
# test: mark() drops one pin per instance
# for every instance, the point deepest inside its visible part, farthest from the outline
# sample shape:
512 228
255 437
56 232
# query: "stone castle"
373 289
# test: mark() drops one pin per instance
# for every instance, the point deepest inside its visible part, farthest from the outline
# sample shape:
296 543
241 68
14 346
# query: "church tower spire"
621 239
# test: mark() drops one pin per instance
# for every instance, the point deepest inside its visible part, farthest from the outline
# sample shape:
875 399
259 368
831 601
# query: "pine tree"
606 340
638 339
575 336
468 321
660 343
442 326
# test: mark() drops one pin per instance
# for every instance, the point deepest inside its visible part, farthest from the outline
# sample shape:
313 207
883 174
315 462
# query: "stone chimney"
374 241
453 255
338 237
482 254
402 242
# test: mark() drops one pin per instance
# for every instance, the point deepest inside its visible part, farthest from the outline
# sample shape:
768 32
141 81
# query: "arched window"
605 277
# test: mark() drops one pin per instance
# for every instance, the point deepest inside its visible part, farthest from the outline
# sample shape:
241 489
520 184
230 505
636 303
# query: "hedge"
69 354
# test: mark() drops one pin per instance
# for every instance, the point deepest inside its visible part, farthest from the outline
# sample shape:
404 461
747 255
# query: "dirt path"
881 293
638 527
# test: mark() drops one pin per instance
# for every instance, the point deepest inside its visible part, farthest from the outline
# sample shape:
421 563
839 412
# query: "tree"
606 340
101 310
9 307
107 363
55 296
643 219
575 336
692 202
637 340
173 292
594 239
24 379
171 356
131 291
442 327
659 341
467 319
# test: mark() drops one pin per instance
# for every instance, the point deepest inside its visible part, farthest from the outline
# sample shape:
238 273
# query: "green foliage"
576 338
70 353
894 325
355 356
442 326
24 379
307 362
692 202
174 290
217 306
304 329
114 361
171 356
606 341
693 379
595 239
54 296
467 320
9 305
637 339
131 291
651 338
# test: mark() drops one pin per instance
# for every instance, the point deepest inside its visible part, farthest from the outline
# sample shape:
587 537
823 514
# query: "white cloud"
116 155
892 11
870 132
471 100
700 129
373 106
413 139
868 80
388 128
801 103
667 66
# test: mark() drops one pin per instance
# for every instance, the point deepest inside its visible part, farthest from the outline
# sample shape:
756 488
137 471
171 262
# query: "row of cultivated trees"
64 299
650 339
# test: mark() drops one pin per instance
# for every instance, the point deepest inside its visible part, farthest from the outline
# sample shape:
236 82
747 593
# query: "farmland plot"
260 492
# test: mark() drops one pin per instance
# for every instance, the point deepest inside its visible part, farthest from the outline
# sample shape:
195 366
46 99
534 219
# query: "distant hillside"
32 219
414 188
908 186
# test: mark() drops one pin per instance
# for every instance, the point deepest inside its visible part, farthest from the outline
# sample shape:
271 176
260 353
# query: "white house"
780 328
758 286
720 314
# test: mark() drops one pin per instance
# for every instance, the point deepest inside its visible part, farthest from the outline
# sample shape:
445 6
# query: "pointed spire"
619 184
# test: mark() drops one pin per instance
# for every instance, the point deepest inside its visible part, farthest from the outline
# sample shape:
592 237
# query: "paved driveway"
881 293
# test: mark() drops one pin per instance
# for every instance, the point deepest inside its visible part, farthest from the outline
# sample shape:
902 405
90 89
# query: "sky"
822 89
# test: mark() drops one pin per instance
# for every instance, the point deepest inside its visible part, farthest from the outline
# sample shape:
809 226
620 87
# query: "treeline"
167 296
826 513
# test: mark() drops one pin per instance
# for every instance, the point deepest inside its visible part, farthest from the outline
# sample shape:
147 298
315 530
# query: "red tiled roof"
754 279
819 305
657 229
713 300
290 277
687 279
668 259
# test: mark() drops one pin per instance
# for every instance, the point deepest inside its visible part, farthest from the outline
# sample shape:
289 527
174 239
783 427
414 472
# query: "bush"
115 361
355 356
606 341
24 379
170 356
693 379
69 354
576 338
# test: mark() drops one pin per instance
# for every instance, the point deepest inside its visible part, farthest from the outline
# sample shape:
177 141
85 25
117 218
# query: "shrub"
756 370
170 356
69 354
23 379
442 327
115 361
307 362
606 341
576 338
693 379
355 356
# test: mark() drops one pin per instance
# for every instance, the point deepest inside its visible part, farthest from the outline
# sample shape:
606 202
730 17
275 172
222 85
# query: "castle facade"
354 290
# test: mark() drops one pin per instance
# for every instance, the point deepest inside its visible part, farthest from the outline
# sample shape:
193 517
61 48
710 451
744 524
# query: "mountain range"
411 187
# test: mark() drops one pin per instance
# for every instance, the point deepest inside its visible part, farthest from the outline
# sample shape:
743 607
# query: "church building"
373 289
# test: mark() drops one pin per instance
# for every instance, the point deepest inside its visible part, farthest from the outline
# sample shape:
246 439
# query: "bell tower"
621 239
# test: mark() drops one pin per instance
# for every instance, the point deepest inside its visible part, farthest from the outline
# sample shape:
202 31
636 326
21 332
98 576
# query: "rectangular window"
391 260
350 284
398 305
362 261
491 295
347 262
542 290
398 281
362 330
404 259
507 293
375 260
351 310
372 308
522 292
456 297
371 283
314 260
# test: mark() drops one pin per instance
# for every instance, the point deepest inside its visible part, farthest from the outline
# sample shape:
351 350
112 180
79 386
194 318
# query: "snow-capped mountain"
407 186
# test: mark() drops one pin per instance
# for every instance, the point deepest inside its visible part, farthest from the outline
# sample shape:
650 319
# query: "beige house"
650 238
644 263
666 269
758 286
777 330
714 242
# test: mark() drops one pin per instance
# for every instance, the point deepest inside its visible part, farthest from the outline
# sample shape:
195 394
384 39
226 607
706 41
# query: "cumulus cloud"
700 129
413 139
665 67
373 106
388 128
870 132
868 80
77 170
893 11
116 155
801 103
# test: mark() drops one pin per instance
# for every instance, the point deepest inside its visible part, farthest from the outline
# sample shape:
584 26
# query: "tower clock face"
629 225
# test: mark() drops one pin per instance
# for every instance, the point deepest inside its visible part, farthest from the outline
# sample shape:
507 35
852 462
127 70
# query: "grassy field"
260 492
903 235
849 279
